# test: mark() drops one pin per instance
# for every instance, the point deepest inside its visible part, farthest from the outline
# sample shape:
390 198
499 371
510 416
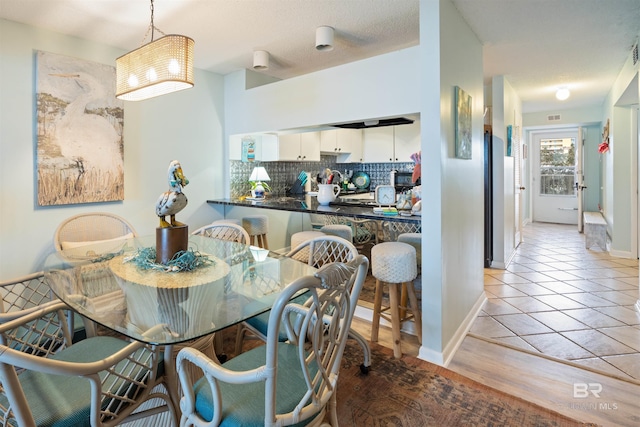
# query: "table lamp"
258 175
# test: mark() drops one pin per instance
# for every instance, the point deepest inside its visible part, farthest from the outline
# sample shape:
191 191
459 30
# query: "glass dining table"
115 284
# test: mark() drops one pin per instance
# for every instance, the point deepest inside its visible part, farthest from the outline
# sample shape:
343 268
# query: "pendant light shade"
157 68
324 38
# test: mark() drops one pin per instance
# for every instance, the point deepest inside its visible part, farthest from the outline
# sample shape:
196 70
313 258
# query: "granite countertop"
309 204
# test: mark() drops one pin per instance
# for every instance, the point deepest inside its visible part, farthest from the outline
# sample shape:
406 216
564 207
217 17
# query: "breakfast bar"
292 214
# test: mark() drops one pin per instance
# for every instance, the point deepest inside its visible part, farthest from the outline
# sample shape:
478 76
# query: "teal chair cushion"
261 321
60 400
244 404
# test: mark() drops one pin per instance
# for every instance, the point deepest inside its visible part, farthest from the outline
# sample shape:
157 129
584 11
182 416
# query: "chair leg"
395 319
265 245
366 364
415 308
240 338
377 303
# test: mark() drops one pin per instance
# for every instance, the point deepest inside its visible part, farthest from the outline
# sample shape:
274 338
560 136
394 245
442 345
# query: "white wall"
453 243
506 110
619 169
186 126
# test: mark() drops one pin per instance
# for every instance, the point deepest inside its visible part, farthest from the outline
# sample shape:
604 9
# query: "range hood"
375 123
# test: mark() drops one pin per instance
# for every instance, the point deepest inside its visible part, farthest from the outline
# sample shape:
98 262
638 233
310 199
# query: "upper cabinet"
391 143
293 147
346 144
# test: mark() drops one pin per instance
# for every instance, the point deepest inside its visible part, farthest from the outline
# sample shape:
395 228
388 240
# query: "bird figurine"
173 201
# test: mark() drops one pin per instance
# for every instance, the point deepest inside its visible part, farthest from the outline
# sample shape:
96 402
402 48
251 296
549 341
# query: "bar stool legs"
257 226
394 264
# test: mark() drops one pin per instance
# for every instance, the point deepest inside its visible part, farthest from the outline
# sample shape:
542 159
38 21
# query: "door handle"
523 188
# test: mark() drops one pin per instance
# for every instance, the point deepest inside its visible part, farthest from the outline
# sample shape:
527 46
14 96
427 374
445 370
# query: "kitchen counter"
309 204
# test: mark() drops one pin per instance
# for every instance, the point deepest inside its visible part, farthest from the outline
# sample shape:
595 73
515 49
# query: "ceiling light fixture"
156 68
324 38
562 93
260 60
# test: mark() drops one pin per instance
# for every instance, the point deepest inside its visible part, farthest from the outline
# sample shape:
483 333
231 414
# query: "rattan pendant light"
159 67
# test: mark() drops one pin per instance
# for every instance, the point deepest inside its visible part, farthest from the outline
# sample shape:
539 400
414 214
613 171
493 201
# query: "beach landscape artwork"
80 146
463 124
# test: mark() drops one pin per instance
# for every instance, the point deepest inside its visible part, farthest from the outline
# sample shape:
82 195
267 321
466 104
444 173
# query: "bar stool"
257 226
415 240
302 236
394 263
340 230
231 220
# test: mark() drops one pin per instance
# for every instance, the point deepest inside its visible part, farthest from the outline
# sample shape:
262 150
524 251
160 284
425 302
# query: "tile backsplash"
284 174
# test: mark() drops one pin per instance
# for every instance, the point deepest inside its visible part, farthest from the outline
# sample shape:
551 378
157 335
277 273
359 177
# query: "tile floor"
565 301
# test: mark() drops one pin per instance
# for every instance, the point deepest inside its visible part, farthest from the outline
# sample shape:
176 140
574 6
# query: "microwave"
402 181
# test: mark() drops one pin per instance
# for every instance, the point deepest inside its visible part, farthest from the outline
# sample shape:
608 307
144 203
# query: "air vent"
376 123
553 117
634 53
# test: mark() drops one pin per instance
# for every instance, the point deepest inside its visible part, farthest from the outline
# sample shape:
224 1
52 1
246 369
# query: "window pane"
557 167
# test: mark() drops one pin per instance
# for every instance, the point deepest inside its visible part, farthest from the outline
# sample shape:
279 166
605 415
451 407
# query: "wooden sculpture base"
170 241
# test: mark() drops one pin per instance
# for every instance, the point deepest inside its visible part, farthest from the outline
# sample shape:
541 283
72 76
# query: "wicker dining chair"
100 381
290 382
317 252
91 227
225 231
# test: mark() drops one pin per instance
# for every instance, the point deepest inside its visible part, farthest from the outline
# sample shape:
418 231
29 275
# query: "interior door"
554 194
517 157
580 177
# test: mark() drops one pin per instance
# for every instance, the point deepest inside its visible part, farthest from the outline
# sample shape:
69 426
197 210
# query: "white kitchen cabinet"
391 143
406 141
345 143
294 147
378 145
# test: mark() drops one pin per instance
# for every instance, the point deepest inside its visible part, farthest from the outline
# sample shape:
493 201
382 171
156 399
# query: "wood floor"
543 380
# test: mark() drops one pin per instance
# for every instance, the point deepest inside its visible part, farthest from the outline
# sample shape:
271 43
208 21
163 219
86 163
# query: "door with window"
554 178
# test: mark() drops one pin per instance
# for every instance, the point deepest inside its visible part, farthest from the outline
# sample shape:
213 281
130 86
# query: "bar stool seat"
394 263
257 226
340 230
229 220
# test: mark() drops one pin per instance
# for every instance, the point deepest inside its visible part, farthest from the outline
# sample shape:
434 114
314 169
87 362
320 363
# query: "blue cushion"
261 321
60 400
243 404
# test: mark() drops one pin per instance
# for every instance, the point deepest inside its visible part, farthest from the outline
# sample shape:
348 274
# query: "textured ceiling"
537 44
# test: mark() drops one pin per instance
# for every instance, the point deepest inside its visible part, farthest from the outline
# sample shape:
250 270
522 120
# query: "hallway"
562 300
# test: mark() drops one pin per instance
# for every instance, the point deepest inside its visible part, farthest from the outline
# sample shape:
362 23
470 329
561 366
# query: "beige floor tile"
627 335
504 291
558 287
498 306
628 363
603 366
617 297
557 345
518 342
536 289
598 343
490 328
593 318
522 324
558 321
589 300
559 302
624 314
528 304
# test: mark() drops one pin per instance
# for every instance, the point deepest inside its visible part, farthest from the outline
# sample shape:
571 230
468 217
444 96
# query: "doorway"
554 176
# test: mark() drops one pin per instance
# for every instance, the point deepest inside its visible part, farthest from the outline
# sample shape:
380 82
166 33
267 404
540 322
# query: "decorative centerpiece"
172 236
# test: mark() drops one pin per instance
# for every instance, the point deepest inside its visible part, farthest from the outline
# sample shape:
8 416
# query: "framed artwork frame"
463 124
80 122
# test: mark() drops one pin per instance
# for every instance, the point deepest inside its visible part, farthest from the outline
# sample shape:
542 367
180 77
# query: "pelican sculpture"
173 201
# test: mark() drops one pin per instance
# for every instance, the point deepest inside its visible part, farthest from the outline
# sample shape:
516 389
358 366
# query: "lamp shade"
259 173
157 68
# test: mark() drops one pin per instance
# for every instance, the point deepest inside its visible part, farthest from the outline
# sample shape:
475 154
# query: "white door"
580 177
554 195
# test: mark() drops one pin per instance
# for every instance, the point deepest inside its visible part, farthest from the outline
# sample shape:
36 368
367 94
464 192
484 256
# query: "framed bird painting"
80 147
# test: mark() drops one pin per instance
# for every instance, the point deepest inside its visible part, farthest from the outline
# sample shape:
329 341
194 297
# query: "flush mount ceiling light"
562 93
156 68
260 60
324 38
